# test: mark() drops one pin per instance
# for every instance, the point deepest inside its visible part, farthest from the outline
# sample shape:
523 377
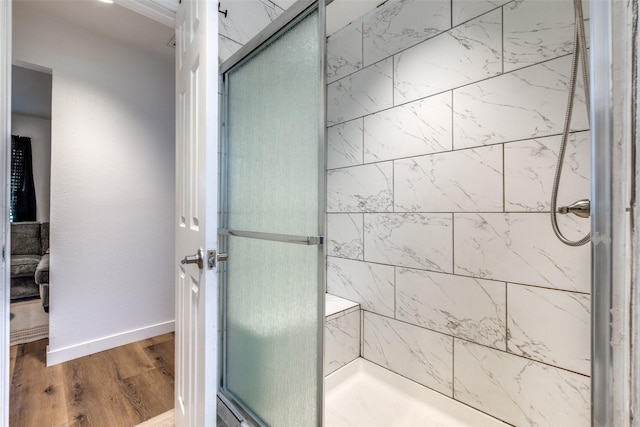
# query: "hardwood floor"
121 387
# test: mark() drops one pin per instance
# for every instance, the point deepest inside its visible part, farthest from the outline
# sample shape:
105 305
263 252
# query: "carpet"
29 322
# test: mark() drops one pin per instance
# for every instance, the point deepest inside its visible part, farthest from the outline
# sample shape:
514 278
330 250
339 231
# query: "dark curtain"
23 192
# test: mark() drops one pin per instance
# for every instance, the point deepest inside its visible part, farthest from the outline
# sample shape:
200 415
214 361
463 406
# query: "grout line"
502 36
449 89
512 141
453 244
497 280
504 180
463 339
506 316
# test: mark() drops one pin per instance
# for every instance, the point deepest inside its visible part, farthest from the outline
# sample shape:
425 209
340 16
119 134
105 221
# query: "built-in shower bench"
341 333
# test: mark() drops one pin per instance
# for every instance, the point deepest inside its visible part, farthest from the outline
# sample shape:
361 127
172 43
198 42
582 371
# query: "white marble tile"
245 18
529 169
421 127
399 24
535 31
523 104
366 188
520 391
370 285
409 240
226 48
345 235
550 326
457 181
341 341
464 10
344 51
419 354
473 309
463 55
335 306
520 248
364 92
345 144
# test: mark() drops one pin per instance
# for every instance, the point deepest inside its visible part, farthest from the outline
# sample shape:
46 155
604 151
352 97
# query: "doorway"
29 202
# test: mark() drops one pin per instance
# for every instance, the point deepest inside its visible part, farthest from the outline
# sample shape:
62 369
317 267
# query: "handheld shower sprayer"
580 208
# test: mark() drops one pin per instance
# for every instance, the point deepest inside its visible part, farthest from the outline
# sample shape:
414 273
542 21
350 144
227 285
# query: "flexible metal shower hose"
579 52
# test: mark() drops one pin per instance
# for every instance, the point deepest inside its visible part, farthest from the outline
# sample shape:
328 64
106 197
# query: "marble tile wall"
444 122
244 19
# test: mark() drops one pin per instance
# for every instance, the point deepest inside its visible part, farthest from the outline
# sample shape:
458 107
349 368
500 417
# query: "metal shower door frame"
290 17
614 315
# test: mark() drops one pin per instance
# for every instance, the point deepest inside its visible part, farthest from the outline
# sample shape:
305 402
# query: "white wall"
112 185
39 130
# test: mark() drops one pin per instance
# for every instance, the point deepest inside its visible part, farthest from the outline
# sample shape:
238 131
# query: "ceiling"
111 21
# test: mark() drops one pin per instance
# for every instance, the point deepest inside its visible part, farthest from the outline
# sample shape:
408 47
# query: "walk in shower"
449 300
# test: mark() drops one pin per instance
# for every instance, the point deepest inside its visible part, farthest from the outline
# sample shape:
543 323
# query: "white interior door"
5 135
196 211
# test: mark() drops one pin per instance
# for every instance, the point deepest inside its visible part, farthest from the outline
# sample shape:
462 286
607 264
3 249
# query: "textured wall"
444 121
112 185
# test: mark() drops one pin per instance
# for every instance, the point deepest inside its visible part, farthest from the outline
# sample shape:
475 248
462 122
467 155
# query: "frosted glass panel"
272 329
272 288
274 109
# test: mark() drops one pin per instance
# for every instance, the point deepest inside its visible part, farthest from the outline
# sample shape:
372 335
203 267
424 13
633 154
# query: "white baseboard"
65 354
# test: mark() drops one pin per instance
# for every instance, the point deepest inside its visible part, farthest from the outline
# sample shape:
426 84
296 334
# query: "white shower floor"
364 394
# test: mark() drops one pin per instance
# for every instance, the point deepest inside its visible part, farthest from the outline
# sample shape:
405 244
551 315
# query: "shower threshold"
365 394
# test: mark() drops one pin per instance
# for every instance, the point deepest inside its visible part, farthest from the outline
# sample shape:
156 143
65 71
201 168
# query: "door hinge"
213 258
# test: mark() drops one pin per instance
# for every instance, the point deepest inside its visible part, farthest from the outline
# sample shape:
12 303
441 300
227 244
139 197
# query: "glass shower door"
273 162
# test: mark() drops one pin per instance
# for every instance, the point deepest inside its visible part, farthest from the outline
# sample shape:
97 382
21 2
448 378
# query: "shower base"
364 394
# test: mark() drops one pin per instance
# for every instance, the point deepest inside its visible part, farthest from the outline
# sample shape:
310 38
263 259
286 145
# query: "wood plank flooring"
121 387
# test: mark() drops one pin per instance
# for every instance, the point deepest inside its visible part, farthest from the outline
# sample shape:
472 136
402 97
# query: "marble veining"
345 236
370 285
458 181
226 48
523 104
344 144
245 18
396 25
518 390
550 326
419 354
529 169
520 248
366 188
464 307
341 341
420 127
464 10
344 51
463 55
533 34
364 92
409 240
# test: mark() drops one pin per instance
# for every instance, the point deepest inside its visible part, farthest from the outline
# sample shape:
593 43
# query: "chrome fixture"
194 259
581 207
